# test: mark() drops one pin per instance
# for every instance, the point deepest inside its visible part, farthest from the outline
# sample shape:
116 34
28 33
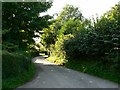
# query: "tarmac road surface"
50 75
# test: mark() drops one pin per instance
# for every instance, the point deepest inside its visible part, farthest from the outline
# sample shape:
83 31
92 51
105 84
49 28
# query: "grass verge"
94 68
16 70
11 83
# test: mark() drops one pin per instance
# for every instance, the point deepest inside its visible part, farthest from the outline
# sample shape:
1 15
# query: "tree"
22 20
65 26
101 40
70 12
67 22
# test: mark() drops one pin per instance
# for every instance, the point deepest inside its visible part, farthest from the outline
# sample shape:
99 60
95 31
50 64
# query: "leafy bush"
57 52
34 53
14 64
101 40
10 47
93 66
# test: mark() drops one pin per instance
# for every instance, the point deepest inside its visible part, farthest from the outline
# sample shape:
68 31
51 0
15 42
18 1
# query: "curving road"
50 75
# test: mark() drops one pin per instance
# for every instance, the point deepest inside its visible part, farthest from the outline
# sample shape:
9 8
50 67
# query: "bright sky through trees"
89 8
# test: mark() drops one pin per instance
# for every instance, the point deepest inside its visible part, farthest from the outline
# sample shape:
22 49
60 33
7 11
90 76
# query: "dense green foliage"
72 37
20 22
22 19
18 62
54 36
92 66
102 40
15 67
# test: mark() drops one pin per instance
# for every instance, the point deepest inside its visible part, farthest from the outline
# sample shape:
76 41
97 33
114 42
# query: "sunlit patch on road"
42 61
90 81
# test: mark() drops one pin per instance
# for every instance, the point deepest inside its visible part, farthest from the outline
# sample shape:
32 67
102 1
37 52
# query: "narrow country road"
50 75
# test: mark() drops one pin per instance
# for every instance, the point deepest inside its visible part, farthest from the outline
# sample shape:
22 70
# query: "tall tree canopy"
70 12
66 23
21 20
73 36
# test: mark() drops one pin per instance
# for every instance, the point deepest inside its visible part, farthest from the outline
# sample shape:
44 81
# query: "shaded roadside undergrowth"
92 67
14 82
16 70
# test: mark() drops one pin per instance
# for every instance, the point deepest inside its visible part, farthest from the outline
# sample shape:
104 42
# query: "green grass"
94 68
11 83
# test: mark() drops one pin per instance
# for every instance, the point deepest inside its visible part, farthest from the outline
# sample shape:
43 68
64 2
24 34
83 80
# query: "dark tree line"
20 21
